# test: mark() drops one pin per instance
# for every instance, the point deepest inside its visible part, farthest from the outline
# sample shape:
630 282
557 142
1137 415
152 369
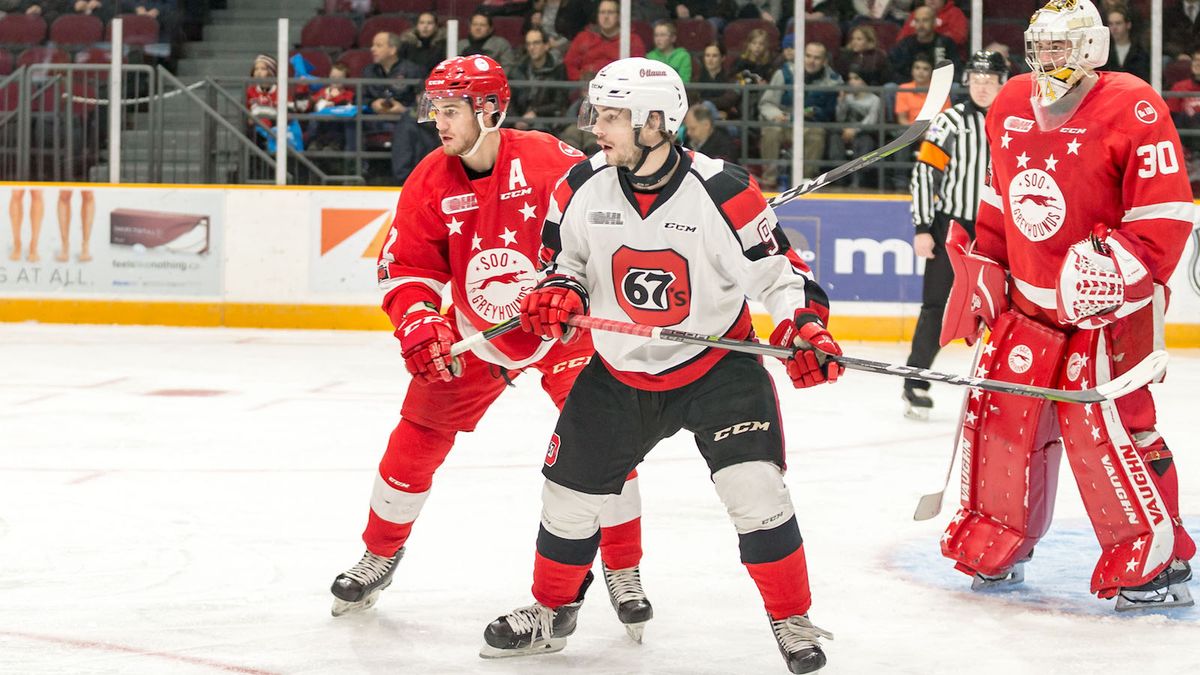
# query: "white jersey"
706 242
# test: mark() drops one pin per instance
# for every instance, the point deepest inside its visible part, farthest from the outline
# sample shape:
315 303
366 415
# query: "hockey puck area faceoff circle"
497 279
1020 359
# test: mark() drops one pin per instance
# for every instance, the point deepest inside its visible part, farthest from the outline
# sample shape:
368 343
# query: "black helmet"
991 63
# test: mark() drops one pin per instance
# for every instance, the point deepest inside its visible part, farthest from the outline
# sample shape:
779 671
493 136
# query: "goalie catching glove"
546 309
425 341
810 363
1101 280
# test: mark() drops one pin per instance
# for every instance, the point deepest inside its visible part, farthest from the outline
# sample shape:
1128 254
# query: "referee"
951 165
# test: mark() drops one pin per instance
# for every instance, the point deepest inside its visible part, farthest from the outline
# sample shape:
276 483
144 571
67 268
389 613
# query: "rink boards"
305 258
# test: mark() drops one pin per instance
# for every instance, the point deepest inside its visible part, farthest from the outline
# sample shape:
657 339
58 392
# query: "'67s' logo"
653 287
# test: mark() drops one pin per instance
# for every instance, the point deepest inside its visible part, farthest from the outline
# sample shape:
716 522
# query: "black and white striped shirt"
951 166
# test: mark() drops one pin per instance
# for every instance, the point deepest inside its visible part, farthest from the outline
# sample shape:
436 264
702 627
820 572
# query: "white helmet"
640 85
1057 70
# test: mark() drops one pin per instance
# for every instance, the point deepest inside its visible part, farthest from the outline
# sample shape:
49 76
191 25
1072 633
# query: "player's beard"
626 158
460 145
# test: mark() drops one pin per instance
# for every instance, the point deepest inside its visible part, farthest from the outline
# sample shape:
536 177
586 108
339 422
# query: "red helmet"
477 78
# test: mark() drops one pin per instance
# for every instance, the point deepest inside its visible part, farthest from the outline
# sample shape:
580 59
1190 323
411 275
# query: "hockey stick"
931 504
1132 380
472 341
939 91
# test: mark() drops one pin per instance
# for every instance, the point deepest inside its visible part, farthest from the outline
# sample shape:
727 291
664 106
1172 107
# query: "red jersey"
480 236
1117 161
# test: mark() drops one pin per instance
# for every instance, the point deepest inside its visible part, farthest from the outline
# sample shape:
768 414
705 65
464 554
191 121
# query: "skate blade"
541 647
1014 577
1177 595
342 607
636 630
919 414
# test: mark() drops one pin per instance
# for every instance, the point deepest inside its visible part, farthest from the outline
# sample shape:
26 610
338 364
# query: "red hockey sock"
384 538
413 453
556 584
783 585
621 545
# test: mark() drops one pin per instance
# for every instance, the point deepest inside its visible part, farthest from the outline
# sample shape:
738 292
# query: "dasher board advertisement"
348 230
113 241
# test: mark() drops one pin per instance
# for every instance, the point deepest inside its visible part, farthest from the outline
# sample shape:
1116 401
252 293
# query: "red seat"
406 6
509 28
1175 71
76 30
136 30
825 32
381 24
1009 33
356 60
22 29
93 55
886 33
332 32
644 31
695 34
1010 9
6 62
737 32
318 59
43 55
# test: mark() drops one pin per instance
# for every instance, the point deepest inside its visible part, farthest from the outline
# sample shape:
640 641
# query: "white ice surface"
145 533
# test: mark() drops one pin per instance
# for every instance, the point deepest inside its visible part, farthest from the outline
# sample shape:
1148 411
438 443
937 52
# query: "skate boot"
535 629
358 588
627 597
1015 575
1167 589
917 403
798 642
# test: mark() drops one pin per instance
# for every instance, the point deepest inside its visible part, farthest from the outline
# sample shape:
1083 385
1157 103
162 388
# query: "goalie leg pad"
1010 452
1125 474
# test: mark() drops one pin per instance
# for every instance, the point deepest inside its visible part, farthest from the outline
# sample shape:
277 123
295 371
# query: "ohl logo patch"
652 287
552 451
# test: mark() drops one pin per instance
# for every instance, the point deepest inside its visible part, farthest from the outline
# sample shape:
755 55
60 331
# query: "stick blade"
1145 372
929 506
939 90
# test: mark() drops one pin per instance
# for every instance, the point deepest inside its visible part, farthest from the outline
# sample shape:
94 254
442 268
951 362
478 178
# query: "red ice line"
112 647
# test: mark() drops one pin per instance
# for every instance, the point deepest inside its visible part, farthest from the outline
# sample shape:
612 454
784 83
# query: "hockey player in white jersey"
648 232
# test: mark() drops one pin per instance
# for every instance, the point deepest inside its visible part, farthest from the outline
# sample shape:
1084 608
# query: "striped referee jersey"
952 164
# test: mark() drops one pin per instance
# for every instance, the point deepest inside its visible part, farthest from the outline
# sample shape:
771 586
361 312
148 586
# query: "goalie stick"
939 91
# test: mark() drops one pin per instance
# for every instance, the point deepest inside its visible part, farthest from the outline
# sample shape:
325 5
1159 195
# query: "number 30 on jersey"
652 287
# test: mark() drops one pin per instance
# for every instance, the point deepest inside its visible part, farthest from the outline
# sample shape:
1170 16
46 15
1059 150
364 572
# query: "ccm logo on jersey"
741 428
679 226
552 451
1018 124
577 362
1145 112
515 193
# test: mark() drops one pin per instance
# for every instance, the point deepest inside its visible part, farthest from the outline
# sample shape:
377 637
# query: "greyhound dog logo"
1020 359
497 279
1037 204
502 278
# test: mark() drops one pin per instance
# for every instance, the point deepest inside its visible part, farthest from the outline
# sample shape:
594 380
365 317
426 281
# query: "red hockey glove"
545 309
810 364
1101 280
980 291
425 341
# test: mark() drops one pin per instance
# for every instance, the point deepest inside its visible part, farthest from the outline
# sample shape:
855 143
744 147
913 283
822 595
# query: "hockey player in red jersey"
470 218
1084 218
645 231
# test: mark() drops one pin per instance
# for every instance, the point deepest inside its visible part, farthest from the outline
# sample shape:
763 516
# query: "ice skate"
1014 576
917 404
798 642
629 600
1168 589
535 629
358 588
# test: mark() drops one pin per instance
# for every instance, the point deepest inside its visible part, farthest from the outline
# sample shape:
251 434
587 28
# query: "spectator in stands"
1014 67
47 9
389 99
924 41
666 52
424 44
716 12
261 97
1185 111
481 40
564 19
760 9
539 63
703 137
726 100
331 135
756 60
909 101
948 20
599 45
895 11
862 53
777 106
858 108
1181 28
1125 55
164 11
100 8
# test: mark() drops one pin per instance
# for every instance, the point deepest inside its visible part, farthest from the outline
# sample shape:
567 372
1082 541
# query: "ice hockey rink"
178 501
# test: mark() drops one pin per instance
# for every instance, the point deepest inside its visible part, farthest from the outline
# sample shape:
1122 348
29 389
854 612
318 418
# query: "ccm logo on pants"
741 428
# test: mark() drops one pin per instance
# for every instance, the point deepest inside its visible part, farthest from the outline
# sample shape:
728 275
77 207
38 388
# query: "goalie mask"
1065 42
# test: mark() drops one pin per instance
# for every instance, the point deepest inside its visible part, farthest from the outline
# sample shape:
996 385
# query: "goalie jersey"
685 257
